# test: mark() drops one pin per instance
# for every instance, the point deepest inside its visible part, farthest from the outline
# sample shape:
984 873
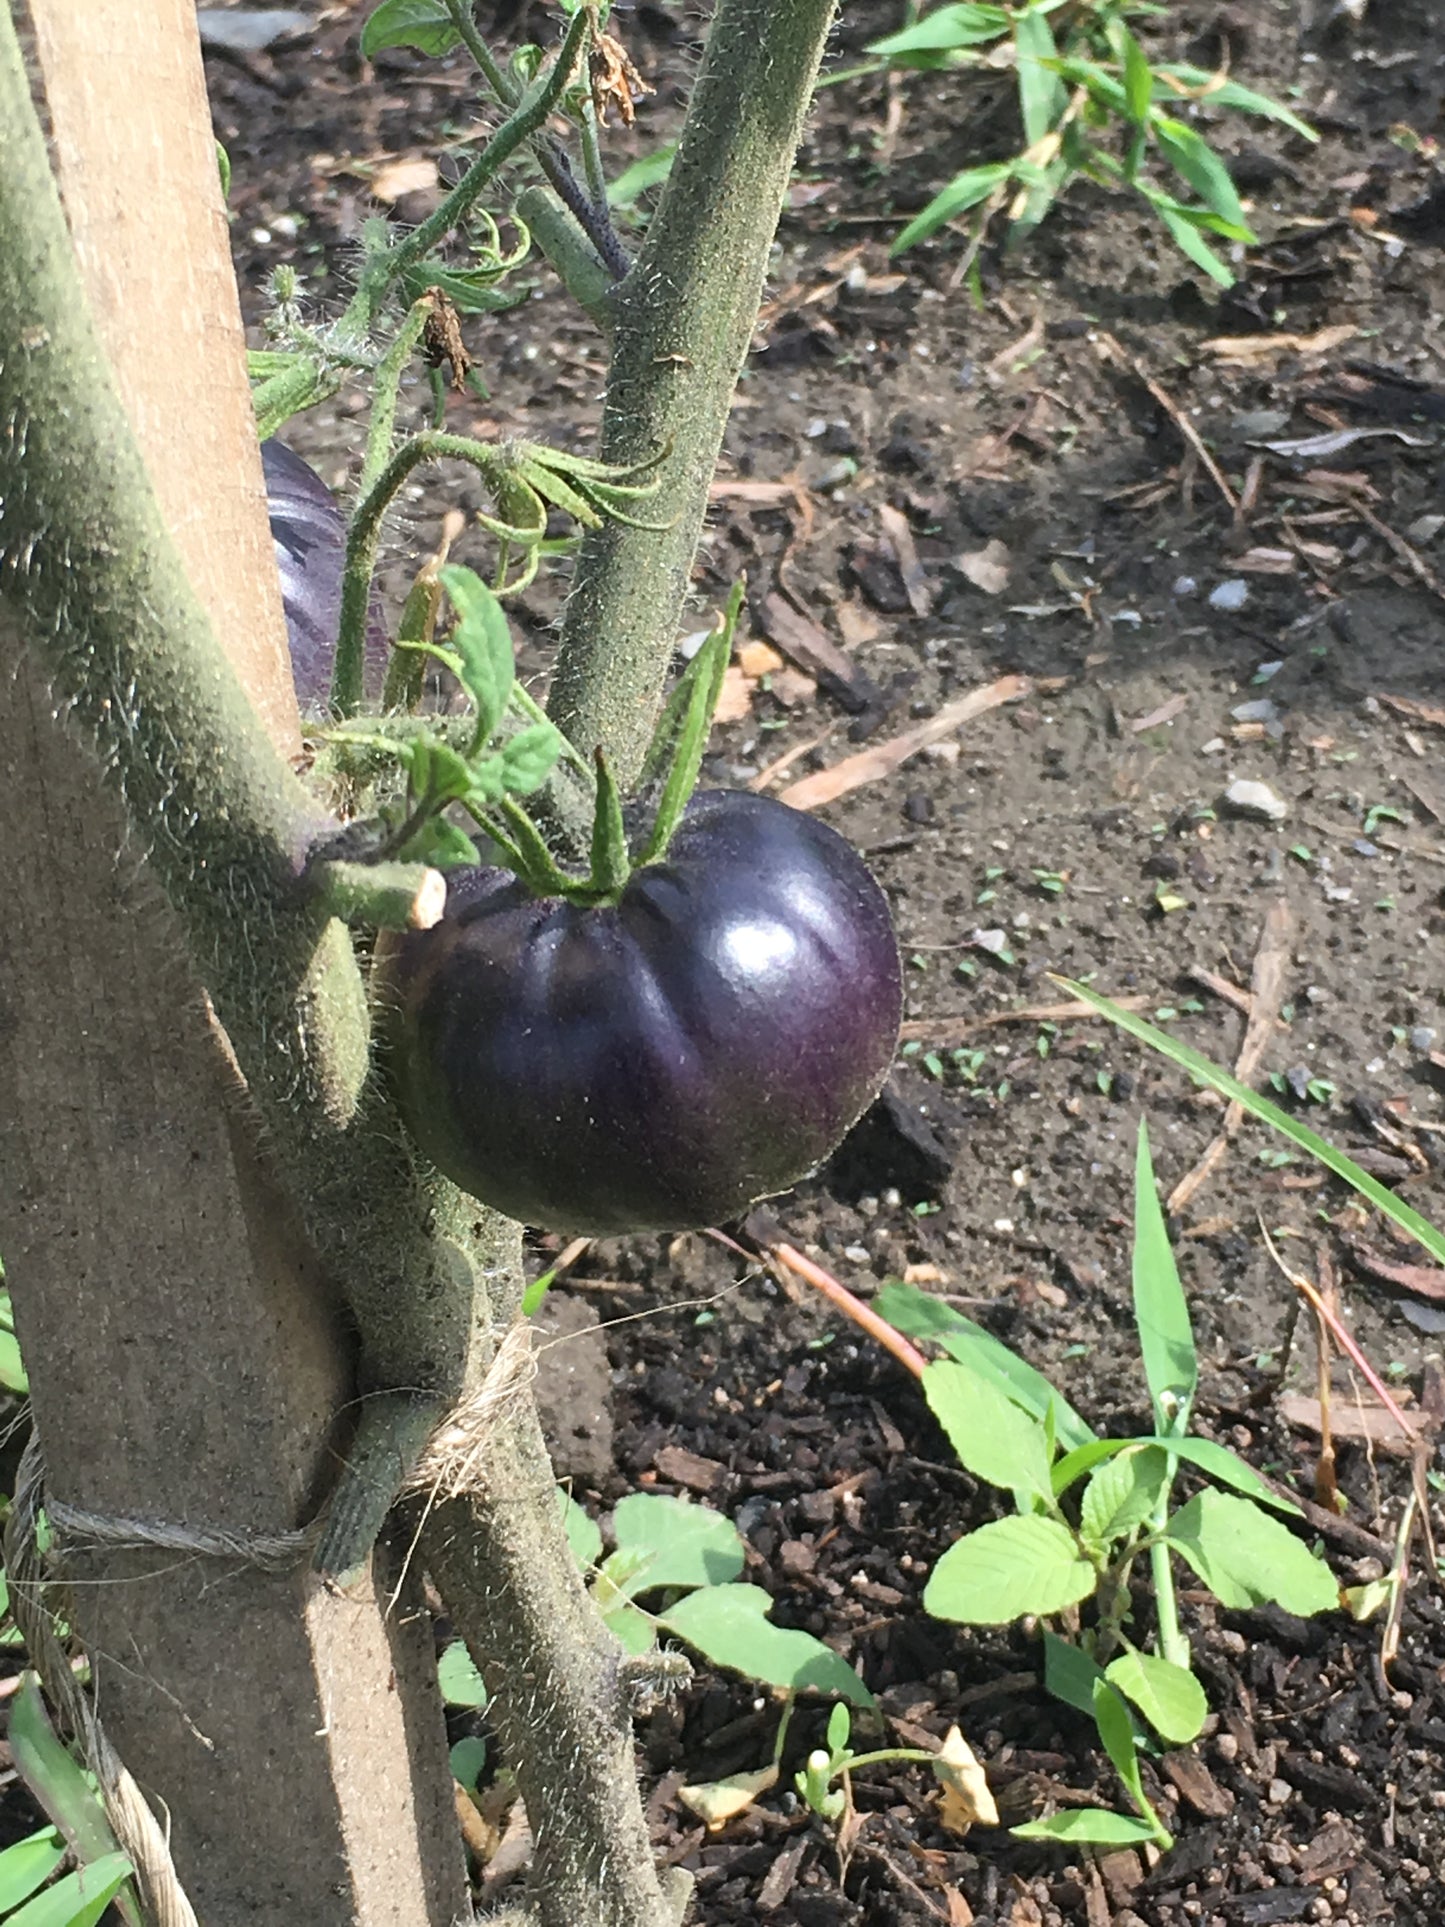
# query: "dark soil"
1066 822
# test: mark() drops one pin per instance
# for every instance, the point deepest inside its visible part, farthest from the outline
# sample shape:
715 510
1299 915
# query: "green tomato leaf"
729 1624
80 1899
1014 1566
448 777
529 757
483 642
28 1865
675 1542
1246 1557
1169 1696
460 1682
1095 1824
423 24
994 1439
1121 1495
1166 1337
441 844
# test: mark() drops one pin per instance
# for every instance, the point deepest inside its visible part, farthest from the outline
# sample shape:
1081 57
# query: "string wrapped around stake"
453 1461
138 1832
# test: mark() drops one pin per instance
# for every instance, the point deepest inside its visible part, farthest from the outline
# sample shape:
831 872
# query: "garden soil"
1075 471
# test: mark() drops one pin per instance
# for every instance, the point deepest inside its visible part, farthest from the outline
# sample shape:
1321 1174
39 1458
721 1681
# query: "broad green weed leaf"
12 1370
1121 1495
1014 1566
80 1899
1169 1696
55 1779
28 1865
423 24
1246 1557
483 641
584 1536
994 1439
917 1314
1166 1337
1094 1824
729 1624
675 1543
460 1682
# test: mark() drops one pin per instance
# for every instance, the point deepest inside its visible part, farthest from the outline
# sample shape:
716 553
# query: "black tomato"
308 529
662 1062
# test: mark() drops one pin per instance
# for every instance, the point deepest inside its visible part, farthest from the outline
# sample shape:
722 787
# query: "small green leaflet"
483 642
1169 1697
1121 1495
423 24
1089 1823
529 757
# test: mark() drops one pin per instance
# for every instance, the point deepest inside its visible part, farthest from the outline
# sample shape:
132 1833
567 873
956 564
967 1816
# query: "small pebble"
1422 1038
1230 595
1255 799
1362 846
1279 1792
1267 671
857 1254
1185 586
1261 710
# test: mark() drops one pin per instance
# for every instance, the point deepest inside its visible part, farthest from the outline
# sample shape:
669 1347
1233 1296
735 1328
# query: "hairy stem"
684 317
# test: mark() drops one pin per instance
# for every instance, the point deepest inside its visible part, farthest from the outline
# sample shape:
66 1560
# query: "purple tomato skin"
658 1064
308 528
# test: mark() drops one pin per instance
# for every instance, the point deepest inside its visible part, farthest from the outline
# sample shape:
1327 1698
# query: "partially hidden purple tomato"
308 527
663 1062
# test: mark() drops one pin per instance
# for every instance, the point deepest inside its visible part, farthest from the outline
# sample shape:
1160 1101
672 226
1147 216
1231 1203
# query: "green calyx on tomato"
511 751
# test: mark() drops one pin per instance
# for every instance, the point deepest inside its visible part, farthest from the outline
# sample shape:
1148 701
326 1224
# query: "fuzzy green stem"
492 70
685 315
362 535
527 119
381 896
567 245
392 367
1173 1644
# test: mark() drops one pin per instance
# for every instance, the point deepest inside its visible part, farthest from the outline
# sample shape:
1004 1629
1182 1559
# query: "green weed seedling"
1086 1509
1093 104
953 1766
685 1559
